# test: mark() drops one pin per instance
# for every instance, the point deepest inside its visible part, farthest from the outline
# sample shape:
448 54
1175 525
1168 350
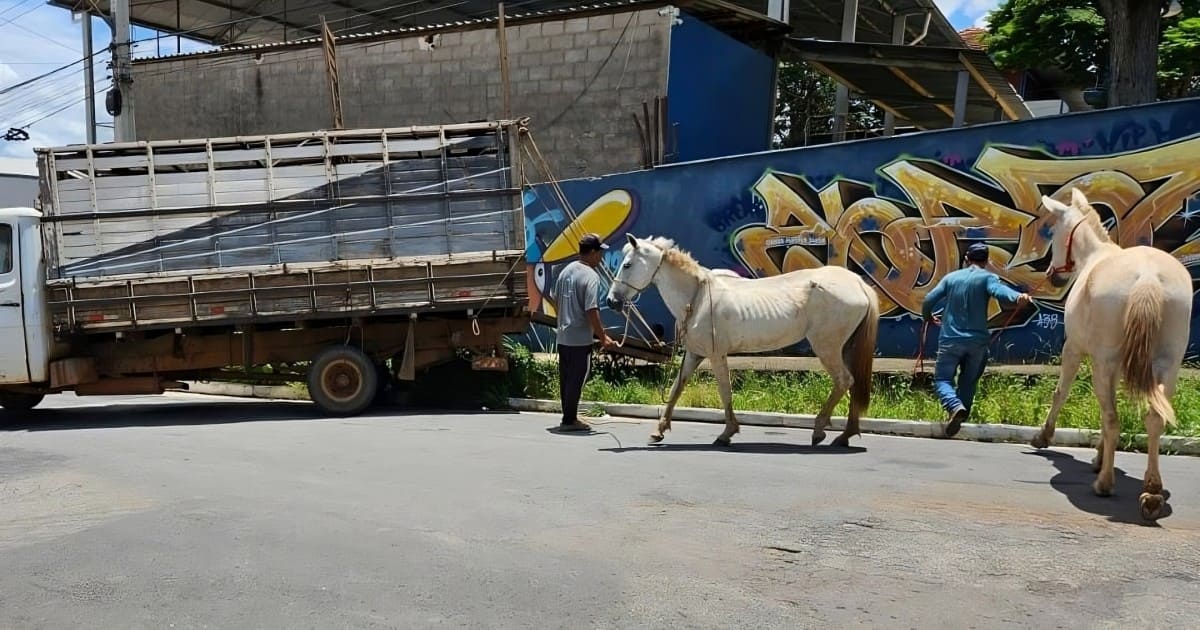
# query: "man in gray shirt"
577 300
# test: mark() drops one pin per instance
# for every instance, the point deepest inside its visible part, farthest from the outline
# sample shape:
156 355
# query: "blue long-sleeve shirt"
964 294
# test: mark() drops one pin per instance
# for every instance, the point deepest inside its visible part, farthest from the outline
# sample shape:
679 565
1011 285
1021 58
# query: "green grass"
1002 398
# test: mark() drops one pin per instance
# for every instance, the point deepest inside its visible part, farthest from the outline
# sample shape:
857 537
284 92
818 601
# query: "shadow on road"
759 448
169 414
1074 481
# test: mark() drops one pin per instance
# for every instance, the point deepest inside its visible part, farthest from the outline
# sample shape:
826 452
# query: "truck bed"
291 293
286 226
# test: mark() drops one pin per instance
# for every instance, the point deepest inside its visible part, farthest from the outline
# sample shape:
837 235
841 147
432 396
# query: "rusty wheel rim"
341 380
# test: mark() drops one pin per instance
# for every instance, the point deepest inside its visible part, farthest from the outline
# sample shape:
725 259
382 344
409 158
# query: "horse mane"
1093 220
675 256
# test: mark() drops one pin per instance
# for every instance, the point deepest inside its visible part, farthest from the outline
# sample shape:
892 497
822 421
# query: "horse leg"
691 361
720 368
831 359
1071 359
1104 383
1152 499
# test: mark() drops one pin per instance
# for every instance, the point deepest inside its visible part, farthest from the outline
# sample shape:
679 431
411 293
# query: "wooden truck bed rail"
315 291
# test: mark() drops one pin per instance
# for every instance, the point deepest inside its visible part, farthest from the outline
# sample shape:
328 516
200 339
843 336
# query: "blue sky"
36 38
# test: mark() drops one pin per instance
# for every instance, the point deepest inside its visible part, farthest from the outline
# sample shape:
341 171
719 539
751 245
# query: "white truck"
153 263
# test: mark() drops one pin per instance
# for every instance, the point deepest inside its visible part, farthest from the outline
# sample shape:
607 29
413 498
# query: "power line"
73 103
45 74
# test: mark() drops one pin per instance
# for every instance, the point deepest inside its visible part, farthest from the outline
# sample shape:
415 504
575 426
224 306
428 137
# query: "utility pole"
89 79
123 119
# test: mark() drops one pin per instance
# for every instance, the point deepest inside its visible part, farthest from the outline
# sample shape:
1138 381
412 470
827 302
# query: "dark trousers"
574 363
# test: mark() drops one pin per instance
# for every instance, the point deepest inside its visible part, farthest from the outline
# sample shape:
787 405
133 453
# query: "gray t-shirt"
576 290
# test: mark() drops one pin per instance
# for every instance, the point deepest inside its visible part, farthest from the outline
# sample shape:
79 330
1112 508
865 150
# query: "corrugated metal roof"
737 21
244 22
917 83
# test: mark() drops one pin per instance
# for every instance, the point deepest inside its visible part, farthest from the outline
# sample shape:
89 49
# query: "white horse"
721 313
1130 311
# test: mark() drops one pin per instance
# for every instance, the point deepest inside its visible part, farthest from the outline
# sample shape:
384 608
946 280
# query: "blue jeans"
968 356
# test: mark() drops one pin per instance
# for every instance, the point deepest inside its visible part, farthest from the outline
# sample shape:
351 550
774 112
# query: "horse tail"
861 354
1143 318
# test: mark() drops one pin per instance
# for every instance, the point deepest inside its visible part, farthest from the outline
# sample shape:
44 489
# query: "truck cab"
24 322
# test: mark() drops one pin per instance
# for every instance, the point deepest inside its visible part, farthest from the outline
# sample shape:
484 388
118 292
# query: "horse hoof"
1152 505
655 439
817 438
841 441
722 442
1039 442
1101 490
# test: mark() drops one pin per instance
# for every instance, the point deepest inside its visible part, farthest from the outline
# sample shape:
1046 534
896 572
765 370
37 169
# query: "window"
6 248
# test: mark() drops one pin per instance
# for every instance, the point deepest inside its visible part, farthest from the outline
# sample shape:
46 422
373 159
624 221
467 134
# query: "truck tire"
17 402
342 381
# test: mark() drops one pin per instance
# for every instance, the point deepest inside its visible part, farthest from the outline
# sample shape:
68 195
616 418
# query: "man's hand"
608 343
937 320
1024 298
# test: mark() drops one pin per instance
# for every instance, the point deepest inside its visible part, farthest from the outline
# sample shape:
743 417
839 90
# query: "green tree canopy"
805 102
1075 36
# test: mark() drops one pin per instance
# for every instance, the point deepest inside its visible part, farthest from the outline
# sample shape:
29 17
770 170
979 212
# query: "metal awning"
916 83
224 22
234 22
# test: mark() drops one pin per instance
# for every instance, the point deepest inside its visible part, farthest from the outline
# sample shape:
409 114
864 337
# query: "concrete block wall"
579 80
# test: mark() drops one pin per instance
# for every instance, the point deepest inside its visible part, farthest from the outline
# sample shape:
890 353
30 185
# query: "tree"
1179 59
805 106
1116 40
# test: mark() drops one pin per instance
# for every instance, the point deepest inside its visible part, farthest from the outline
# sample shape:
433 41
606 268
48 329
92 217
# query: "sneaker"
955 422
577 425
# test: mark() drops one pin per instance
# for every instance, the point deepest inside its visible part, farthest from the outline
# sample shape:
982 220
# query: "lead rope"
919 365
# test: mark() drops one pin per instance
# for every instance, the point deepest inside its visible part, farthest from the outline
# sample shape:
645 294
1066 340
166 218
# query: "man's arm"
933 300
1000 291
591 304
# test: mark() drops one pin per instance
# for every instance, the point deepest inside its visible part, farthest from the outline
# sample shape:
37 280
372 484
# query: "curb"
238 390
1080 438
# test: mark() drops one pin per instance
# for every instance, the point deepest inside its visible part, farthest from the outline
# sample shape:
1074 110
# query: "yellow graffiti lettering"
906 246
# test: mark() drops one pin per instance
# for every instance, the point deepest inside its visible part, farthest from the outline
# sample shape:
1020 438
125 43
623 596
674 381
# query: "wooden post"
331 72
505 86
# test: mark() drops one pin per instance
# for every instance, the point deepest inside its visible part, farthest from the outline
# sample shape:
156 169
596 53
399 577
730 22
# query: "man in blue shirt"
963 343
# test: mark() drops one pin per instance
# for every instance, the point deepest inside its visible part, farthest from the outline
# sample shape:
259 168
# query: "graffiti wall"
901 211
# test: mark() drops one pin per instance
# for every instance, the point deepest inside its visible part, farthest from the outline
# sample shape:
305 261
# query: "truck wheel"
20 402
342 381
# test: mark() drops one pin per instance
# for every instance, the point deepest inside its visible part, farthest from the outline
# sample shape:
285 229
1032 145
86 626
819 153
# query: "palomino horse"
721 313
1130 311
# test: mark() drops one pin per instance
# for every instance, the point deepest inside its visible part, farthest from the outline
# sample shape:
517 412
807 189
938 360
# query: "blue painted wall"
719 93
901 211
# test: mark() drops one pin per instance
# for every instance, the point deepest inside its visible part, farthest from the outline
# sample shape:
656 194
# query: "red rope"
920 364
1013 314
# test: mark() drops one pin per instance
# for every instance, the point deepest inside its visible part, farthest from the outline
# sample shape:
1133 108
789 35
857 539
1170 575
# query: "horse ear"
1054 205
632 240
1078 199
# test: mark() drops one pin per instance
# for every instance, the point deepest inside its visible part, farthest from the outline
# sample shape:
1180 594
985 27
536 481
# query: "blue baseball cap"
977 252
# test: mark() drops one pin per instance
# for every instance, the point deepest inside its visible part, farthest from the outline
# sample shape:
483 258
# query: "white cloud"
964 13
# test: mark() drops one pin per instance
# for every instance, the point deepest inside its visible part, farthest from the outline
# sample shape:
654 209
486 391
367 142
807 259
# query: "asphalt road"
190 512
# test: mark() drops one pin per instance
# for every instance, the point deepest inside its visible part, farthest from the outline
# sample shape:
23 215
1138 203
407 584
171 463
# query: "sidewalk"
882 366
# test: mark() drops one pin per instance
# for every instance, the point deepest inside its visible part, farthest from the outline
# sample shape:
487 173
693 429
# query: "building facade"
590 84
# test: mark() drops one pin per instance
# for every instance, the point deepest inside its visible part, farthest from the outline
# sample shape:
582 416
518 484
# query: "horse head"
639 267
1065 220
